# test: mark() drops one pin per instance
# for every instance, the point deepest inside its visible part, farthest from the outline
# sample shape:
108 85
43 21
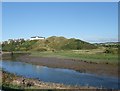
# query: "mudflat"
78 65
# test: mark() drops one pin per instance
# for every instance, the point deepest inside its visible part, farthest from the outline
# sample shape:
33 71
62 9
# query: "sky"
88 21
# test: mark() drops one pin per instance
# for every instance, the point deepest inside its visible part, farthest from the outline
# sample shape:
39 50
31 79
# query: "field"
92 55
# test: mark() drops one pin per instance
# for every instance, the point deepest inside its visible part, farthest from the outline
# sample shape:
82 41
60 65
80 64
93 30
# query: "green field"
94 55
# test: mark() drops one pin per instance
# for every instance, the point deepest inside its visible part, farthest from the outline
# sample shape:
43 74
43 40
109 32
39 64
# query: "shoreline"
60 63
77 65
16 82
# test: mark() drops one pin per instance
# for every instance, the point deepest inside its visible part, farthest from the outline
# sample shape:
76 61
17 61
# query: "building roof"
37 37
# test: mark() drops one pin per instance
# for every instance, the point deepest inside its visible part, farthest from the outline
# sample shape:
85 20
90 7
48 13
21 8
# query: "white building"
37 38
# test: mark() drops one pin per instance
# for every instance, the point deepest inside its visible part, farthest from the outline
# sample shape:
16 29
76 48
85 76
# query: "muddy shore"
12 81
78 65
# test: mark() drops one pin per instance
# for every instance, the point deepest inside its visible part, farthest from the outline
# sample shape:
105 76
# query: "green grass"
88 55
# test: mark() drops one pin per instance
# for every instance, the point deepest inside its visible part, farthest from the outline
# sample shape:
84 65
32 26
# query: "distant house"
37 38
10 40
4 42
19 40
15 40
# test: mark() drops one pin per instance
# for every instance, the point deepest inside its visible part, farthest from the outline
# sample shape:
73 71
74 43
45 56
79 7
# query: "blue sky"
92 22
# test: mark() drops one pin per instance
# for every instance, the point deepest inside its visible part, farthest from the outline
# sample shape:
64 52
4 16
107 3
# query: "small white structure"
37 38
10 40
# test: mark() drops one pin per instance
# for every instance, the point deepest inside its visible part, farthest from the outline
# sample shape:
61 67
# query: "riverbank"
56 62
74 64
12 81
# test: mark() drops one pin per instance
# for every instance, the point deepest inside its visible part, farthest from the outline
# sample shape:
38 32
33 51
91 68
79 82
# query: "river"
57 75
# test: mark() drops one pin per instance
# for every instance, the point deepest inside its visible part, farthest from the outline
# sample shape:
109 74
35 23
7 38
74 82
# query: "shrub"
41 49
111 50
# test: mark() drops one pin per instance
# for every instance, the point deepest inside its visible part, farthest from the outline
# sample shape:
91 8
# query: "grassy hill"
61 43
51 43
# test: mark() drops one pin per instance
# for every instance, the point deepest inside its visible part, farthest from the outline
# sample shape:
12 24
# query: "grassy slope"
61 43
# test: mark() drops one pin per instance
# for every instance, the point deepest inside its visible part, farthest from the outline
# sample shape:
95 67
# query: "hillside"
61 43
51 43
